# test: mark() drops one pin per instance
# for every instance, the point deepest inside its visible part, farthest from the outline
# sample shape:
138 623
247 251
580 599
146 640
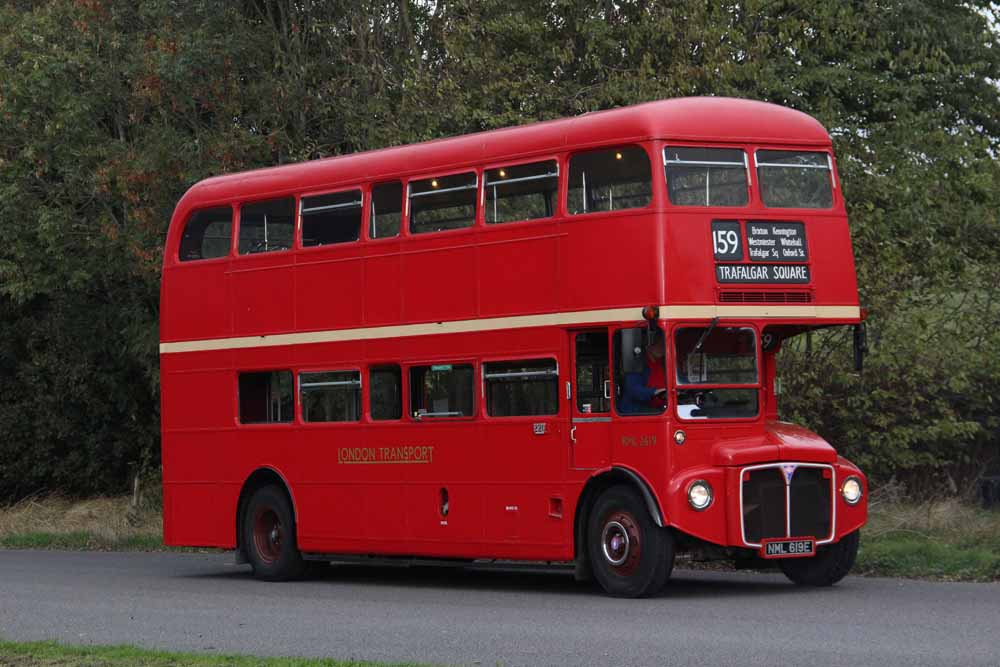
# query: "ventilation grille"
765 297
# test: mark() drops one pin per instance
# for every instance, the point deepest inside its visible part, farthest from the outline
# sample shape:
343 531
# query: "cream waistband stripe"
515 322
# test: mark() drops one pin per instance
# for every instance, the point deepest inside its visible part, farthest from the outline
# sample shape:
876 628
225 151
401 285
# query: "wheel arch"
595 486
259 478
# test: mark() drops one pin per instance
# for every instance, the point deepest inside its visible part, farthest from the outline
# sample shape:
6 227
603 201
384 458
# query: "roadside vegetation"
106 524
51 654
112 109
940 539
946 540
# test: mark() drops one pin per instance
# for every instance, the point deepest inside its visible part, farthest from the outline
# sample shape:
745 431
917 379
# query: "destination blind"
762 273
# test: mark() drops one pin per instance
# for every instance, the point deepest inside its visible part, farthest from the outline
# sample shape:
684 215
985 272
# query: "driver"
645 391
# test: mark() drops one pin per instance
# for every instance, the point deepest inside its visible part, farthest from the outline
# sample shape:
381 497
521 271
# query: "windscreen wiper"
708 332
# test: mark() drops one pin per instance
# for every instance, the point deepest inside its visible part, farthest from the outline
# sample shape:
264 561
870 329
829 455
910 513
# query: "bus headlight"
851 490
700 494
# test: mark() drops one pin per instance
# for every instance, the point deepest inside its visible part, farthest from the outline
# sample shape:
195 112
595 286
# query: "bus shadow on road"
554 580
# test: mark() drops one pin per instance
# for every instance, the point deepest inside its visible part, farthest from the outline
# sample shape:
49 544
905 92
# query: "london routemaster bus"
554 342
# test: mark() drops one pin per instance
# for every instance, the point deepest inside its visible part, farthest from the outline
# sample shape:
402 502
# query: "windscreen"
711 356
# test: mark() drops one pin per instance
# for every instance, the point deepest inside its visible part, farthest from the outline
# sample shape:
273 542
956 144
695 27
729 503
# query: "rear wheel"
827 567
629 555
269 536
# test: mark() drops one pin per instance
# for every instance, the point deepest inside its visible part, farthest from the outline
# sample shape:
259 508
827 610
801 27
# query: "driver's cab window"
640 371
717 374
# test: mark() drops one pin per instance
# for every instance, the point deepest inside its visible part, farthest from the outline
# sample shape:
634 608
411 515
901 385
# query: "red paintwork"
780 441
512 494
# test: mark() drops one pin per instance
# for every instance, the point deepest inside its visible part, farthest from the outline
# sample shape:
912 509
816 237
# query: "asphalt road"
205 603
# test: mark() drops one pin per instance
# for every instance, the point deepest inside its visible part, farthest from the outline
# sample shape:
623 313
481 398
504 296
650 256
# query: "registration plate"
793 547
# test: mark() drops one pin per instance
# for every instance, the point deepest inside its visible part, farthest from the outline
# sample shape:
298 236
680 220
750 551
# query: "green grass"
82 541
926 558
943 540
52 654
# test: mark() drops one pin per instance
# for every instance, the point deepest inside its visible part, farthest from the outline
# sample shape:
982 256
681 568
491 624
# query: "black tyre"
268 536
629 555
827 567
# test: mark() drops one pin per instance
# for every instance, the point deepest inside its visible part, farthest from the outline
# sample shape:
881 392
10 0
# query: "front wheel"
269 536
827 567
629 555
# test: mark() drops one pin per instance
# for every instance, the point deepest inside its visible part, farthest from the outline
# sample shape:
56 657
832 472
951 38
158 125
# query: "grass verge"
945 540
112 524
52 654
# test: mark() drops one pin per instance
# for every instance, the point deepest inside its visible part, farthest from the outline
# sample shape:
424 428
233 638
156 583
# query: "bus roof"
690 119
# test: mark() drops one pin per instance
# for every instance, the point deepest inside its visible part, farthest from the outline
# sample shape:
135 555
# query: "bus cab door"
590 411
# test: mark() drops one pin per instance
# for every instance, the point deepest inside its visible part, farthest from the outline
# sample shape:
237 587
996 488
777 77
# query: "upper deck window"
267 226
447 202
609 180
332 218
795 179
706 176
521 192
207 234
387 210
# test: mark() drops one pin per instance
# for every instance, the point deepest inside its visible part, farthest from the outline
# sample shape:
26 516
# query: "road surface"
206 603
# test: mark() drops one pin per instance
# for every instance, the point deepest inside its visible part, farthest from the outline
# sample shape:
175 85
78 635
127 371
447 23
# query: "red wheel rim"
268 534
621 543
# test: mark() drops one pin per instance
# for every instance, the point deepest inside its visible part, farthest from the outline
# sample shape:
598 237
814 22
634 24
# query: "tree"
111 109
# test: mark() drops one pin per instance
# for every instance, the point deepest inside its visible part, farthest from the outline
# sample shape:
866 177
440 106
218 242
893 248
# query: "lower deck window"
266 397
333 396
441 390
515 388
386 387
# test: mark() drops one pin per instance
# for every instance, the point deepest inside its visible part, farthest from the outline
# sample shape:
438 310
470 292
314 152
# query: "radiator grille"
810 501
729 296
765 496
763 504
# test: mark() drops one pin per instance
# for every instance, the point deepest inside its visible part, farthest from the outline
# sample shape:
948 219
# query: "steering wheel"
705 399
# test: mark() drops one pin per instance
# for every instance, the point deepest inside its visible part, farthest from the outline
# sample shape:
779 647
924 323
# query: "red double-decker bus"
554 342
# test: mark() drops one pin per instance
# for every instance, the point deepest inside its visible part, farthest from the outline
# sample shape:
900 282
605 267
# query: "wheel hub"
615 543
267 534
621 543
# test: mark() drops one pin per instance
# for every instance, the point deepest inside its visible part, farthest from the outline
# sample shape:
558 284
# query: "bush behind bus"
111 110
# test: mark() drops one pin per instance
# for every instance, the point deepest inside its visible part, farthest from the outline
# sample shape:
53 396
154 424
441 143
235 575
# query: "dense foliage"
109 110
